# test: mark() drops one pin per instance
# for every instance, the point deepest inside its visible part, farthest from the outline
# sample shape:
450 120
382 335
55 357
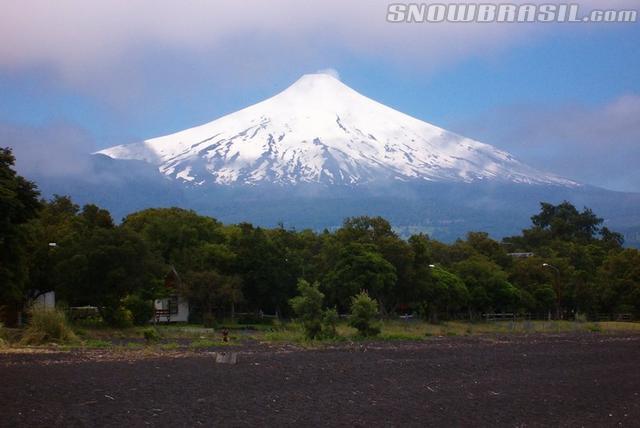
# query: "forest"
567 264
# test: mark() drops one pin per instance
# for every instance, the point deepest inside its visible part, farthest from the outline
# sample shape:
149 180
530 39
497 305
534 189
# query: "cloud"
56 150
330 71
598 145
133 53
114 48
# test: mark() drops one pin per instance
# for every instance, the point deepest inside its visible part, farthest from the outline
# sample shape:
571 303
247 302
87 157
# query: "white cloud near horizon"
597 145
55 150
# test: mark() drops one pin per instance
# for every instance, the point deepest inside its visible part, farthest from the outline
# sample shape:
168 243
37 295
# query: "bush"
329 323
151 335
3 336
119 317
316 322
141 309
308 308
363 312
46 326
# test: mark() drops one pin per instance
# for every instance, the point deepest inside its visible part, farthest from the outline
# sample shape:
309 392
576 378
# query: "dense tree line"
577 266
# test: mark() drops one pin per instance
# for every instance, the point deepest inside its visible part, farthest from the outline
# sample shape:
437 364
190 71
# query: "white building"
174 308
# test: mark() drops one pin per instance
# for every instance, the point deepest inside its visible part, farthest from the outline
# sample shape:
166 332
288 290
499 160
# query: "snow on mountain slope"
321 131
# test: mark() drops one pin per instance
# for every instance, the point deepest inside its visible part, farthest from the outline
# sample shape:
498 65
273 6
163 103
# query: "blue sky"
562 97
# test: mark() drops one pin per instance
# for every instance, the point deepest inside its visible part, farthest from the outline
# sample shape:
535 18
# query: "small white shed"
174 308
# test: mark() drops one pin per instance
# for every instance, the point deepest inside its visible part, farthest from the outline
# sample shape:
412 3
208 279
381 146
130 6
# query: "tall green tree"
265 269
566 222
211 292
488 285
103 266
360 267
619 281
176 234
18 205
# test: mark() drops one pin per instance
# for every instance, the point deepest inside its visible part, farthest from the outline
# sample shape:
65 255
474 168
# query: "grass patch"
419 330
595 328
171 346
47 326
96 344
202 344
291 332
134 345
183 331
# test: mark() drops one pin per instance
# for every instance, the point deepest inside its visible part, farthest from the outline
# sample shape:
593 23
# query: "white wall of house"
181 314
46 300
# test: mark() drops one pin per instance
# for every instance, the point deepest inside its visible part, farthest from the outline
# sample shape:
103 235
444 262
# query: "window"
173 305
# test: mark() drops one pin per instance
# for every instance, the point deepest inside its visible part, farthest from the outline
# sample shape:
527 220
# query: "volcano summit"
319 130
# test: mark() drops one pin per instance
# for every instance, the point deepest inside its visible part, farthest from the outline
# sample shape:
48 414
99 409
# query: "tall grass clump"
3 336
47 326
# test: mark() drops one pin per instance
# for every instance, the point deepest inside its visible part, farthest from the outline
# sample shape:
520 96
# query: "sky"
78 76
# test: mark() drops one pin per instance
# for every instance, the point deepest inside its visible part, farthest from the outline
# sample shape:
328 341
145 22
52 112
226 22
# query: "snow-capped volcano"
319 130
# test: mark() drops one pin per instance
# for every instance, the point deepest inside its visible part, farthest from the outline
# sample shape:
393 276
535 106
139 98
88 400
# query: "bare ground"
515 381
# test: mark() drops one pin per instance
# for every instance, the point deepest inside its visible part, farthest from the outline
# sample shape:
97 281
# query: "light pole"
557 287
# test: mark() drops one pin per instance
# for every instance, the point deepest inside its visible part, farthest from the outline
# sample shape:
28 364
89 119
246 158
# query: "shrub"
141 309
329 323
118 317
316 322
3 336
46 326
151 335
363 312
308 308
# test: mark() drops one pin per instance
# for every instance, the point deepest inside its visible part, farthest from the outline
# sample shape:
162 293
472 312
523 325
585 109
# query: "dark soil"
516 381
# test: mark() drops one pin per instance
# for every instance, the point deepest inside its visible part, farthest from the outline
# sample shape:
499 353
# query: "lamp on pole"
556 286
